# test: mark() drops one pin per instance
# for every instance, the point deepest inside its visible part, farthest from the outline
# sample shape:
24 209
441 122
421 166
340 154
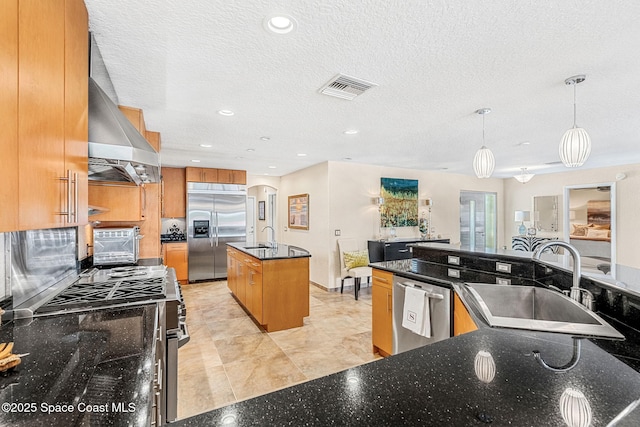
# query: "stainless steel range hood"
117 151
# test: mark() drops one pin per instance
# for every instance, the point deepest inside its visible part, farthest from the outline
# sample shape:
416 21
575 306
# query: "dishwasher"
439 307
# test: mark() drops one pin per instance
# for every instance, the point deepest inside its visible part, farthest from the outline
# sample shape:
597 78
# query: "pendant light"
524 176
483 162
575 408
575 146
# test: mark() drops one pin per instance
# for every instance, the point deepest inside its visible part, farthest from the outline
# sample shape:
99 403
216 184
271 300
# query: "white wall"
340 198
520 197
314 181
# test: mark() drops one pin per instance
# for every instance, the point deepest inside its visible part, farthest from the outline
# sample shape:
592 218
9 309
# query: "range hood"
117 151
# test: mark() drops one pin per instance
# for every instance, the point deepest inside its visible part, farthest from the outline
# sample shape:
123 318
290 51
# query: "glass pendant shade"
483 163
524 176
575 409
575 147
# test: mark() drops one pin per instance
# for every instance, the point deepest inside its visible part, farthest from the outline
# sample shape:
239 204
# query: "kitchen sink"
537 309
258 246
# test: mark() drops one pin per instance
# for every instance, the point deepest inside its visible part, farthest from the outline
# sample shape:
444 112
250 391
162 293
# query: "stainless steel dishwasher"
439 307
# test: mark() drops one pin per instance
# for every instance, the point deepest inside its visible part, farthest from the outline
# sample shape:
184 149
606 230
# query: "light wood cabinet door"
150 227
193 174
76 101
9 114
382 312
174 203
253 289
239 177
135 116
154 139
210 175
175 255
123 202
462 321
41 133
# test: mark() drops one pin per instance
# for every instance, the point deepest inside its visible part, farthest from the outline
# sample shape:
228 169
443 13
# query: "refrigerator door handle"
217 229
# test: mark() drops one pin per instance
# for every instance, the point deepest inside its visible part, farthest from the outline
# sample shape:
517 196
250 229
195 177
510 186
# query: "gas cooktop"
96 288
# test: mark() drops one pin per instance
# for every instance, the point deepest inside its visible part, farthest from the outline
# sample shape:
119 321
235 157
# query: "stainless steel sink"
537 309
258 246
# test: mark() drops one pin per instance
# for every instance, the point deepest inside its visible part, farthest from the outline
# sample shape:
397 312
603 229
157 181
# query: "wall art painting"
400 207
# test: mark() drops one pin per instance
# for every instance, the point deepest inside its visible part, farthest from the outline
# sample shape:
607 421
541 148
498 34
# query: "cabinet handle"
68 213
162 198
144 201
76 203
388 301
381 279
403 250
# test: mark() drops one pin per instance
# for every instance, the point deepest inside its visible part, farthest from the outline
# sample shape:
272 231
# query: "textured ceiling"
435 63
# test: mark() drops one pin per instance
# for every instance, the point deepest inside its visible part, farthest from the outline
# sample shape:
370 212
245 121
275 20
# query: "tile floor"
229 358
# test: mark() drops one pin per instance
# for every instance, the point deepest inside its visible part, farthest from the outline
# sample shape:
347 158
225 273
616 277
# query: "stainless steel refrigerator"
216 215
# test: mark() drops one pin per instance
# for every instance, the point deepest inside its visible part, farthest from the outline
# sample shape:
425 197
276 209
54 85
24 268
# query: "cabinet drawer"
252 263
382 278
395 251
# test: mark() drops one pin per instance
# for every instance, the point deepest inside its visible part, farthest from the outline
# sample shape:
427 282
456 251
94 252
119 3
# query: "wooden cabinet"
122 202
175 255
216 176
275 292
174 192
154 139
150 228
462 321
136 117
9 113
53 113
382 312
229 176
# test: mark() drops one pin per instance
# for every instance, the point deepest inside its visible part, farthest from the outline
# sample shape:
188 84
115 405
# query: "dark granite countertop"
264 252
98 363
438 385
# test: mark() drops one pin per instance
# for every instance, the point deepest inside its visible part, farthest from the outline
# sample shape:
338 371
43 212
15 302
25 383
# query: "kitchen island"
439 384
270 282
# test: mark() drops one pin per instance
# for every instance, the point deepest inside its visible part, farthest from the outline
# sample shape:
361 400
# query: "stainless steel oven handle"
184 334
429 294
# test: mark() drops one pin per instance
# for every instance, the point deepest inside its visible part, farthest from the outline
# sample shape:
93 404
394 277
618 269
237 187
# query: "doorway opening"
478 220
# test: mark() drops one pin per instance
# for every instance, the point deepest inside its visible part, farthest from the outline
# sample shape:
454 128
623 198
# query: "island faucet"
576 290
273 233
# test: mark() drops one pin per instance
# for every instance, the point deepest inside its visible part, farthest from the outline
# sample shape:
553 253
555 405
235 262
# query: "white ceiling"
435 62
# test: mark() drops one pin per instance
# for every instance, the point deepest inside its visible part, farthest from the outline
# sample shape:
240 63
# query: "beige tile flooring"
229 358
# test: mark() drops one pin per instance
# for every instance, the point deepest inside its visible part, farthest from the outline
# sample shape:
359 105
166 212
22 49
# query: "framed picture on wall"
261 210
299 211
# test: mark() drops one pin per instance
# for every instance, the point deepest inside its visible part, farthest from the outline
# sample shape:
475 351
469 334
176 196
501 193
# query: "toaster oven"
116 246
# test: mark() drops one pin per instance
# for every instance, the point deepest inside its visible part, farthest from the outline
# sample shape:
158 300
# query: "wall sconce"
378 201
521 217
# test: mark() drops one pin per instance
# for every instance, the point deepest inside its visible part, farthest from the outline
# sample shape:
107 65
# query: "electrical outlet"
337 232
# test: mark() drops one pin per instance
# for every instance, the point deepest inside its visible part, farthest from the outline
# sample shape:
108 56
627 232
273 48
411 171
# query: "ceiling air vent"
346 87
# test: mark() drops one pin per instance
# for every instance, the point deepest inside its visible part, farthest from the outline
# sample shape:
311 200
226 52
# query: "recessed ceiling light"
346 158
206 145
251 150
272 167
280 23
195 161
301 154
265 138
350 132
226 112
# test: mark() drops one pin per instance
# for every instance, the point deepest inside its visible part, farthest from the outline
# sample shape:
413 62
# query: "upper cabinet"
216 176
52 112
174 188
9 114
135 116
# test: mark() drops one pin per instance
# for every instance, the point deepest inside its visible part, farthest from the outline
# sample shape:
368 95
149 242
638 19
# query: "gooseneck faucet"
576 290
273 233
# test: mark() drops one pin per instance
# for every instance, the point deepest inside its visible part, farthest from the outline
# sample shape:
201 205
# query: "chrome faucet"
576 290
273 242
